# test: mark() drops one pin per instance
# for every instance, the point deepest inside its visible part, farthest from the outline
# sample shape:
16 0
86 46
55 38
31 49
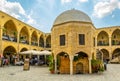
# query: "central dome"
72 15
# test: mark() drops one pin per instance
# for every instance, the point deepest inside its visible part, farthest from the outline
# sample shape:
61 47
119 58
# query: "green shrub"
51 62
97 65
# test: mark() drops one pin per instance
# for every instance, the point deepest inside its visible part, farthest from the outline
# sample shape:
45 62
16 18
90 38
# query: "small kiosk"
26 64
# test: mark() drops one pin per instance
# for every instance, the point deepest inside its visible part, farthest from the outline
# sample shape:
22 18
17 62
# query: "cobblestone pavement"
37 73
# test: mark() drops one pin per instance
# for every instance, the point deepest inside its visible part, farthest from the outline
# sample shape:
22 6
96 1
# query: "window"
62 40
81 39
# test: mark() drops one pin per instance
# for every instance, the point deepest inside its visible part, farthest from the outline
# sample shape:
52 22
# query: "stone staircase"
115 60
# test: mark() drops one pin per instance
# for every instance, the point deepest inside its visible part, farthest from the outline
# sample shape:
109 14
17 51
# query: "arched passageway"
23 56
79 68
10 54
116 53
63 63
81 63
105 54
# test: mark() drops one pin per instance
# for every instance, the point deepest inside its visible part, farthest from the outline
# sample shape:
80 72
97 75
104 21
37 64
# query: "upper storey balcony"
25 35
113 39
116 37
103 39
9 32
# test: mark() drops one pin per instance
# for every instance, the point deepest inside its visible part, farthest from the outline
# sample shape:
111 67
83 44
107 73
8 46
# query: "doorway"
79 68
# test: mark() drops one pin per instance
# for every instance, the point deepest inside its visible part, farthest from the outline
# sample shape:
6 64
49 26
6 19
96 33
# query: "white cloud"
105 8
30 20
82 1
66 1
16 10
12 8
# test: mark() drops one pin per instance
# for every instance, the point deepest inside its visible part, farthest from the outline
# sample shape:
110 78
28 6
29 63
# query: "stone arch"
34 39
116 53
81 53
103 39
24 35
116 37
21 56
10 31
106 55
10 52
63 62
41 41
48 41
23 49
82 58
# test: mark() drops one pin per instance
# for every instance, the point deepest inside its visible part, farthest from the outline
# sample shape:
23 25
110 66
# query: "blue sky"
42 13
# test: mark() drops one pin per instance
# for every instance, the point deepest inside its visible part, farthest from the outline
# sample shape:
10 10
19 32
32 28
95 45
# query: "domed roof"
72 15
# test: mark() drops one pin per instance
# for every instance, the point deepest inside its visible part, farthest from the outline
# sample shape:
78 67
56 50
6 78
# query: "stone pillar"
71 65
110 54
90 69
18 41
45 41
96 41
110 43
30 40
55 58
102 55
38 42
1 31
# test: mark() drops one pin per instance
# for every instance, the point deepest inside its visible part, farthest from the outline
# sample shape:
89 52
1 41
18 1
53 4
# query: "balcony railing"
34 43
41 45
8 38
102 43
24 41
48 45
115 42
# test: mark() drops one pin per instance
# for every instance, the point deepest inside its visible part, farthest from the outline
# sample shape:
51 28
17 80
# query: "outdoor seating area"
38 58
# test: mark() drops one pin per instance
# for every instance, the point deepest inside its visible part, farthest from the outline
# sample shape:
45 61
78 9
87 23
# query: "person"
6 62
3 61
0 61
105 65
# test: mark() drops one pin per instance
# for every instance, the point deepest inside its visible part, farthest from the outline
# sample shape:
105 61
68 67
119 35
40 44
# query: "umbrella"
34 52
45 52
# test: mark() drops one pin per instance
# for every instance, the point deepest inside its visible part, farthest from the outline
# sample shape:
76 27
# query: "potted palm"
51 64
97 66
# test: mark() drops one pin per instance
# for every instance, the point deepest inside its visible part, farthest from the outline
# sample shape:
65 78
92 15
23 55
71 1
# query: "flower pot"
52 71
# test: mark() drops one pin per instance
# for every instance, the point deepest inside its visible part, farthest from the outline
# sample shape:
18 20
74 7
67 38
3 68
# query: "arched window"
102 39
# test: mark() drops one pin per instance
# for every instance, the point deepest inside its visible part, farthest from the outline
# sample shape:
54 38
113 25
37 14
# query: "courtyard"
39 73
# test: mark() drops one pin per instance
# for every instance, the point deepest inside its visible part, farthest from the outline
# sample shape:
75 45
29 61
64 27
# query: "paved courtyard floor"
37 73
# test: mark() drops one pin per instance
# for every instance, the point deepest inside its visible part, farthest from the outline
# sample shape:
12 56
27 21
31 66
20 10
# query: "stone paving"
38 73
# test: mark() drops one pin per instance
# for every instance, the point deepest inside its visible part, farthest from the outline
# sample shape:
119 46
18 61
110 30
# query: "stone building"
73 35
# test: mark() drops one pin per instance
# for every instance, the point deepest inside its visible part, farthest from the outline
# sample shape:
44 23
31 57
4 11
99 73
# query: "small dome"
72 15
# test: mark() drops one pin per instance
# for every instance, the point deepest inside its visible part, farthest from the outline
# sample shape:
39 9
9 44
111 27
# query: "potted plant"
4 31
15 33
97 66
51 64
